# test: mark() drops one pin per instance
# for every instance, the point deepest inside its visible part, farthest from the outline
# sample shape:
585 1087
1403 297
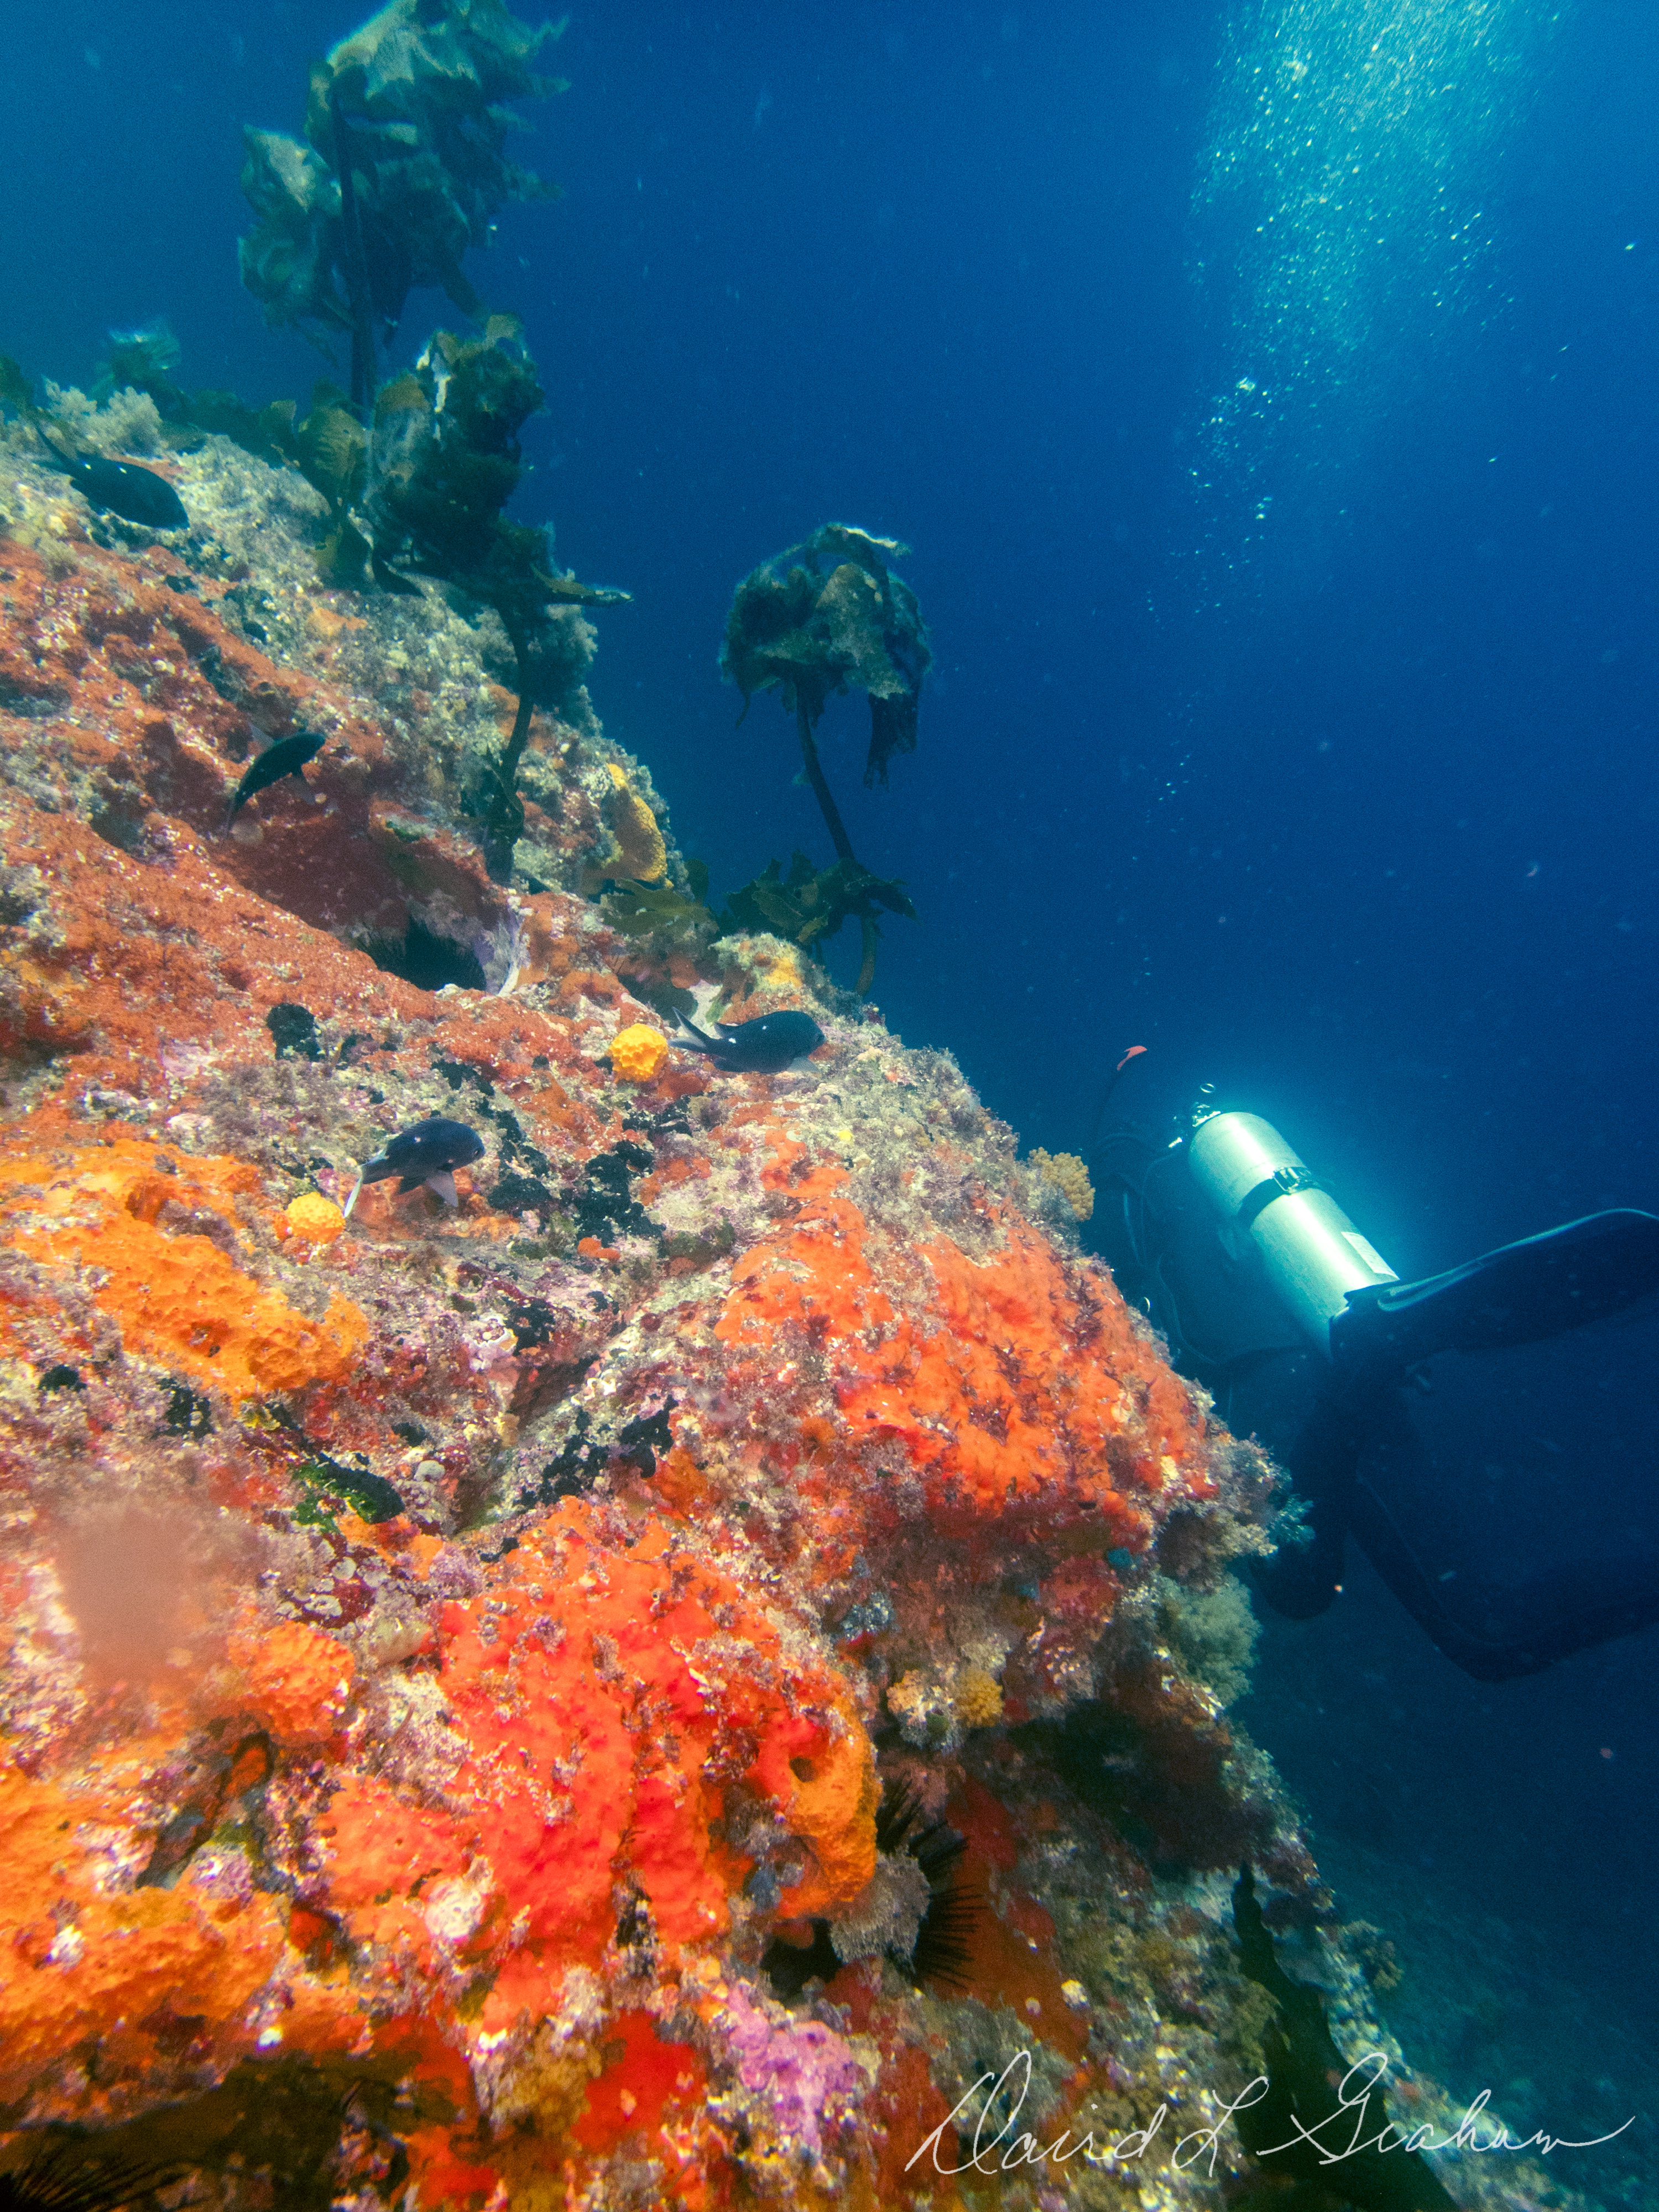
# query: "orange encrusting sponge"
293 1680
605 1697
1013 1383
179 1297
77 1961
1001 1397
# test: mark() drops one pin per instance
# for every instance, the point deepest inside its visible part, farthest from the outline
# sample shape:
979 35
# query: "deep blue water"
1285 525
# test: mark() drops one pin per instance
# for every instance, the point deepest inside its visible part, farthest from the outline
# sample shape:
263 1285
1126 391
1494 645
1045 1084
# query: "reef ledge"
454 1657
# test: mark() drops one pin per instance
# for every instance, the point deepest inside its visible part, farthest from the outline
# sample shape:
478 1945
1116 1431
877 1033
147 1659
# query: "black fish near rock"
423 1154
121 488
286 757
757 1048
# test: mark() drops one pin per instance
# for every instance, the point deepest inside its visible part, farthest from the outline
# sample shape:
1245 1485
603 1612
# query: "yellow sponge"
637 1052
313 1215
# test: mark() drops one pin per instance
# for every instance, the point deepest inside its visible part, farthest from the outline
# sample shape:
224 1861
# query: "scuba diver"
1486 1435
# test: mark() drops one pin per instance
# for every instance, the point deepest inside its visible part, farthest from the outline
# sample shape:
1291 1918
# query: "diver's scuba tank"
1314 1256
1274 1213
1344 1297
1375 1419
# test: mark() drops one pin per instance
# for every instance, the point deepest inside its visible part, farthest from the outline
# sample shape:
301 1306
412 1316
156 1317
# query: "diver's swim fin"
1523 1292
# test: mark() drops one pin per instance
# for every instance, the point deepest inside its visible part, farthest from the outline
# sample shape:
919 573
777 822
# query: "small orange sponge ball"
637 1052
295 1679
314 1217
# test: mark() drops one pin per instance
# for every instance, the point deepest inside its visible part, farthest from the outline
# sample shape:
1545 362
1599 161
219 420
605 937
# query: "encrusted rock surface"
450 1656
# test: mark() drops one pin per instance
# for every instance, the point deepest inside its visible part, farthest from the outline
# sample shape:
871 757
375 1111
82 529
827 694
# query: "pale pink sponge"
810 2074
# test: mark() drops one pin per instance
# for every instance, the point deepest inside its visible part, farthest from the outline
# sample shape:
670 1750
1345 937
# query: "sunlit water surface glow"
1345 212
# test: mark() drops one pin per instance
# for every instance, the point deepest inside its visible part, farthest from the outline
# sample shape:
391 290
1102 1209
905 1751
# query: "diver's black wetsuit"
1490 1442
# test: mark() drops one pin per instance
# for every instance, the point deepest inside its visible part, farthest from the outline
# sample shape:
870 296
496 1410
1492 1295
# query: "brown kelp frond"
825 616
444 460
402 170
831 615
811 903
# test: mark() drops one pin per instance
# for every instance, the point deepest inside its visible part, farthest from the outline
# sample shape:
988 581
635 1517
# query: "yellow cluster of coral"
640 851
1068 1175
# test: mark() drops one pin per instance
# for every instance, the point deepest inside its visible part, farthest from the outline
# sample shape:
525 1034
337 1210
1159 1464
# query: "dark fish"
423 1154
121 488
760 1048
286 757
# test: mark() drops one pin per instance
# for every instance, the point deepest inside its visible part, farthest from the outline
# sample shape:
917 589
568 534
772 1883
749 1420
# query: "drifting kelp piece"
810 635
404 169
792 629
329 448
446 452
657 910
266 432
288 259
1305 2099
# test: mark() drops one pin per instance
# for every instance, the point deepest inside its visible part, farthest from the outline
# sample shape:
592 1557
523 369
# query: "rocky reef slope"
640 1686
